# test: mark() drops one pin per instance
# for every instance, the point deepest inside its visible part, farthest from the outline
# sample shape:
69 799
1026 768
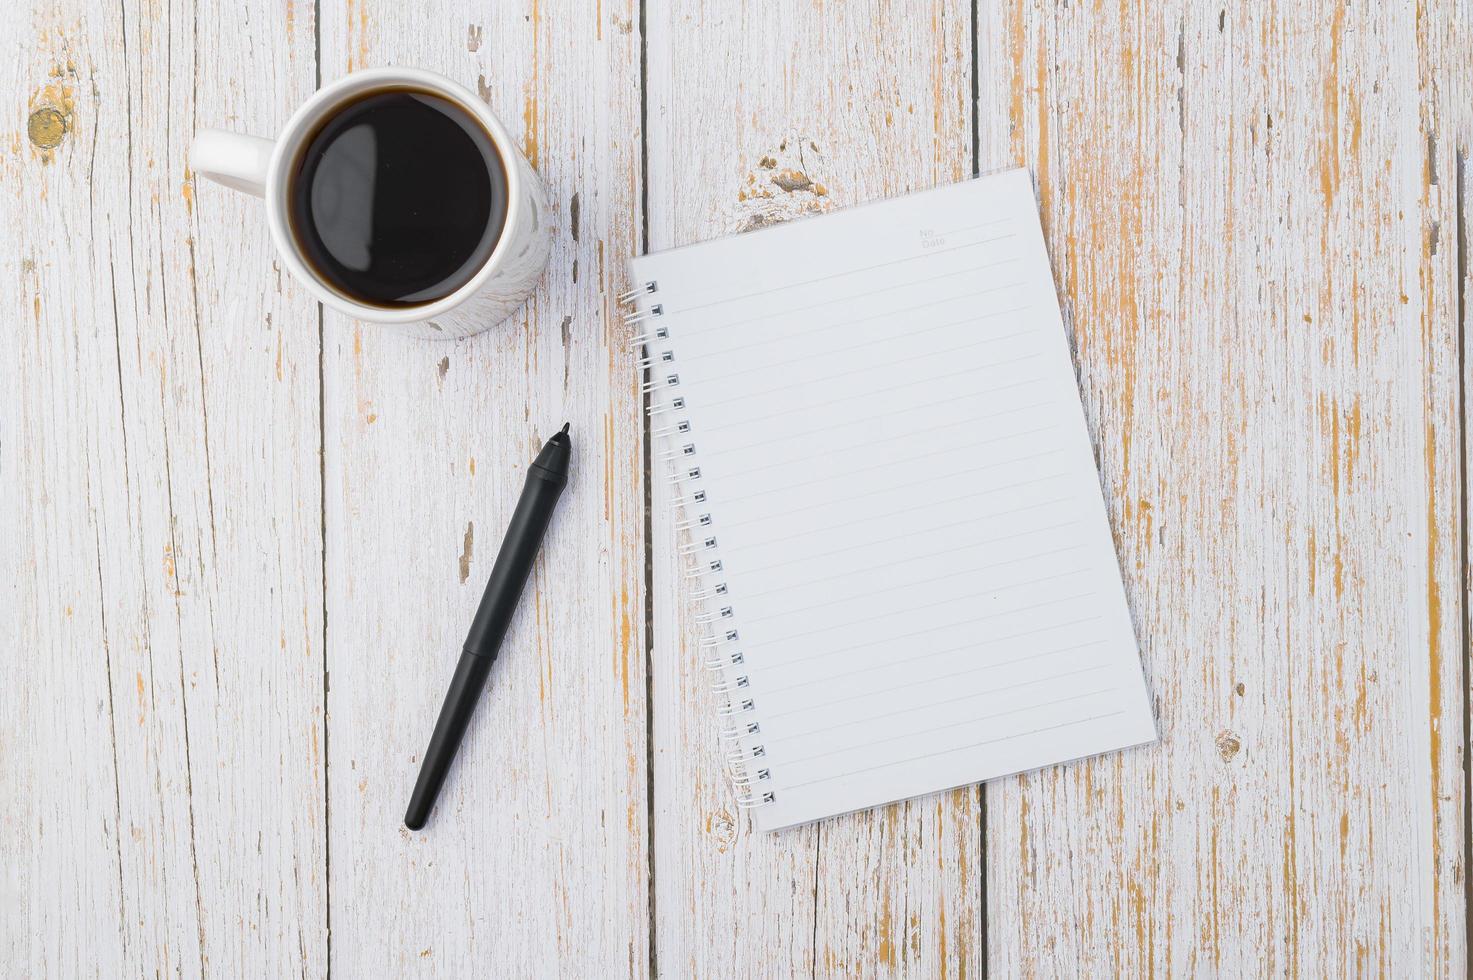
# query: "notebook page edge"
761 816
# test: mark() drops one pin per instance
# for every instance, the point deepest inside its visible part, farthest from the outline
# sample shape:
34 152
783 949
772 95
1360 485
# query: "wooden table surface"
242 537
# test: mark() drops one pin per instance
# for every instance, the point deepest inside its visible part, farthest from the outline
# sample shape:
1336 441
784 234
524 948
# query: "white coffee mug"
266 169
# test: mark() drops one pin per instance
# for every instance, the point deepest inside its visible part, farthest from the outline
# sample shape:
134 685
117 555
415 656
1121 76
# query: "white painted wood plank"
535 862
162 749
162 769
1458 200
873 104
1244 209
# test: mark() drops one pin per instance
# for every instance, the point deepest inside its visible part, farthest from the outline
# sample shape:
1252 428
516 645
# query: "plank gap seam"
1460 247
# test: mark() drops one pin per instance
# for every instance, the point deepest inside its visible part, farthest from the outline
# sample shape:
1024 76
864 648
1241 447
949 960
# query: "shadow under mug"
265 168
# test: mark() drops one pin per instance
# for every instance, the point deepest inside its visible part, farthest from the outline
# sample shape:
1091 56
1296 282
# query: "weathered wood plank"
1244 209
163 778
867 103
536 861
1266 323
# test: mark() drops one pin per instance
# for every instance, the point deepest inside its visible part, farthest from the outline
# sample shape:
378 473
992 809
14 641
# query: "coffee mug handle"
232 159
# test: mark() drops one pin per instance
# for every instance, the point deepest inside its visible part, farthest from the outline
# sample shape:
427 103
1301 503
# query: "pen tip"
565 427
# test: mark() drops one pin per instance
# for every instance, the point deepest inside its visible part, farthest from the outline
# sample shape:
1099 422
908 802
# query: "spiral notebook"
891 511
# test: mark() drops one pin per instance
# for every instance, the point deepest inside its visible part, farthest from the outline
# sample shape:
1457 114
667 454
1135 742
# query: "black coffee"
399 198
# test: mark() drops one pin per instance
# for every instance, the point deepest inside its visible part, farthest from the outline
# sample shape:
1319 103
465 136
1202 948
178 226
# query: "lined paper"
882 412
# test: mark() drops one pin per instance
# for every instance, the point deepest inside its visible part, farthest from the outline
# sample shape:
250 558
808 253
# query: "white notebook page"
914 548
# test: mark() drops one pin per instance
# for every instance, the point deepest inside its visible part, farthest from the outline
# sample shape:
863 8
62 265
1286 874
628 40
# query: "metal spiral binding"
720 647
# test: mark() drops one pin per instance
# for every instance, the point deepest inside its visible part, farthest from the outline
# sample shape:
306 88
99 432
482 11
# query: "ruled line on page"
787 358
956 724
928 530
780 737
991 665
909 309
931 555
906 510
848 649
929 255
810 382
845 475
701 326
871 518
797 335
973 227
829 449
890 587
999 614
743 422
706 326
929 480
957 748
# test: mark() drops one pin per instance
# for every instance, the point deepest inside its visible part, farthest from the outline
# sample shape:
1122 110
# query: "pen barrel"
513 565
546 478
455 717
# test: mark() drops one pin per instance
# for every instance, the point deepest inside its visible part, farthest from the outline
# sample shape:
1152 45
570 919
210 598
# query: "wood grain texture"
535 862
1259 220
162 727
883 94
1246 208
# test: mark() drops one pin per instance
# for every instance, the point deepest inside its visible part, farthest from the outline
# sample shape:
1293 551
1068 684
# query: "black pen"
546 478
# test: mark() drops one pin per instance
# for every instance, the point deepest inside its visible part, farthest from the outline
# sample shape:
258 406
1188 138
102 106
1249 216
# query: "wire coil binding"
719 646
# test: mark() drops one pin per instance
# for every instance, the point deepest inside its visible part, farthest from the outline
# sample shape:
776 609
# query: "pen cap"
552 462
